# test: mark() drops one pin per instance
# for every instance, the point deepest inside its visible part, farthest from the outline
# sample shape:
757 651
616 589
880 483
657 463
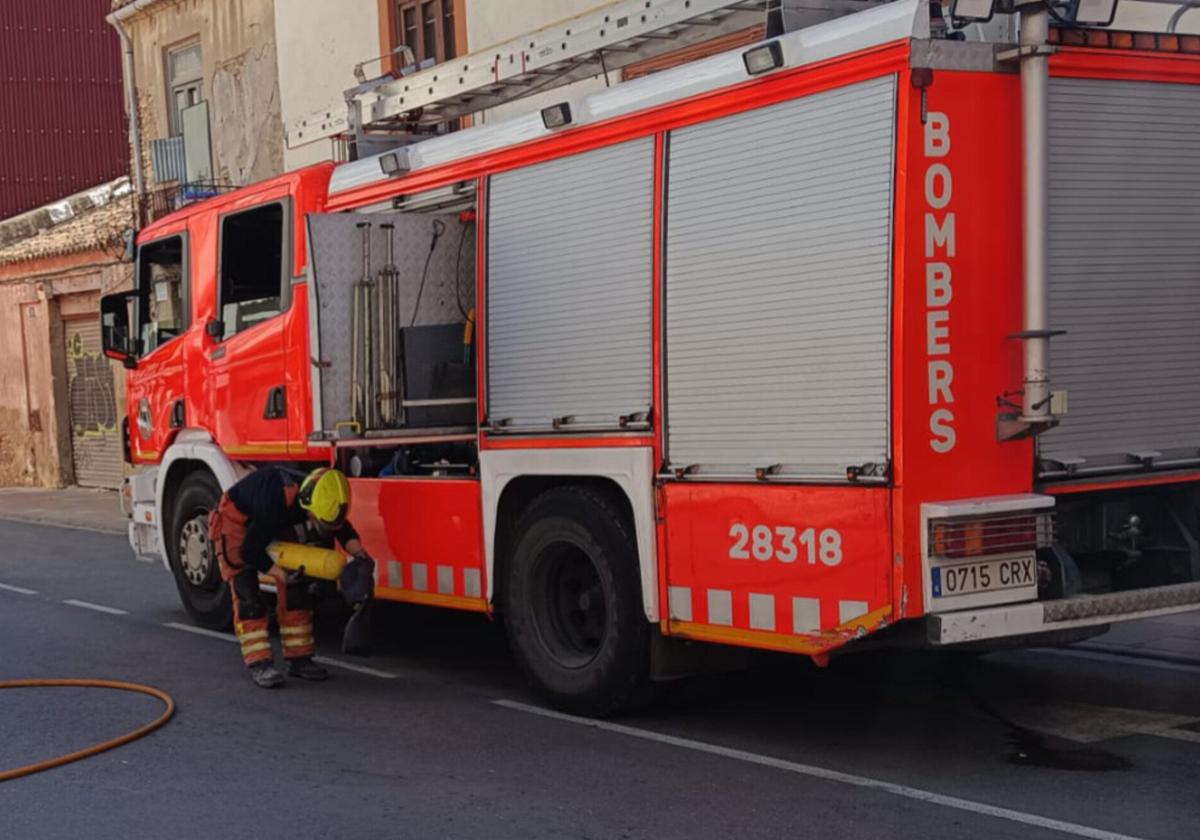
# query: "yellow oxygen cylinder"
323 563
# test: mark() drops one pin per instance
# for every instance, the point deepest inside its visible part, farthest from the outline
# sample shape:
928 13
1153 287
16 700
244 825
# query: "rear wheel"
193 558
574 608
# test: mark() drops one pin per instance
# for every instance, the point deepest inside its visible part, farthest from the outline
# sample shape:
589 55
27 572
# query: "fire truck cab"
874 328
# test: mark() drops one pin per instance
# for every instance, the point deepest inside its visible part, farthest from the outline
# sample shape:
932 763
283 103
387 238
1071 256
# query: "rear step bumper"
1064 614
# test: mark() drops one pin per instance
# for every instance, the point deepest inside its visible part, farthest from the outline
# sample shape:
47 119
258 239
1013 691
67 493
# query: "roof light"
556 116
976 11
763 58
392 165
1093 12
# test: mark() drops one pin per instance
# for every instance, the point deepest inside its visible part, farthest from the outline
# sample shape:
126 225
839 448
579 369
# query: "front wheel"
574 611
194 558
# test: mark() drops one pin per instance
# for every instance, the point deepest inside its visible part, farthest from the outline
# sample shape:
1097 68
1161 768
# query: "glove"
357 580
357 583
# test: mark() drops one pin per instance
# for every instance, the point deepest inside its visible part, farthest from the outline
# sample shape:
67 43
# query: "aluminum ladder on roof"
605 38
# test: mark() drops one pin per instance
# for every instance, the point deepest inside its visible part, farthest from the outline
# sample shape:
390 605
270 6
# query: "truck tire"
193 561
574 613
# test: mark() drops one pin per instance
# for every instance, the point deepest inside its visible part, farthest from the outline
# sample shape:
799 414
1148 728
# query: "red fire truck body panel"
957 305
223 387
773 564
427 536
787 568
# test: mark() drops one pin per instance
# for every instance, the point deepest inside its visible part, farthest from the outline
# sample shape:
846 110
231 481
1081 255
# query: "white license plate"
989 576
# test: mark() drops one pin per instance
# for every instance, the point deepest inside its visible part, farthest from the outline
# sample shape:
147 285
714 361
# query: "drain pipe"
116 21
1034 57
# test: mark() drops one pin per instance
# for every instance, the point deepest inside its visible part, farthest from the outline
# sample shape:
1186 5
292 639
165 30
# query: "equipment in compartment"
439 379
361 367
374 276
389 321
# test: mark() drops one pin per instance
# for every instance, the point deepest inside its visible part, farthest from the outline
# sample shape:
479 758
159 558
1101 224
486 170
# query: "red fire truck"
753 351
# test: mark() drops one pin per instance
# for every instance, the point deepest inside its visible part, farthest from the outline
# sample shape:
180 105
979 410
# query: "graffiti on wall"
92 399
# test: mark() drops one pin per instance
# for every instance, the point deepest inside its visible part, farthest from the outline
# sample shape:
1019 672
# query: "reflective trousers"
227 530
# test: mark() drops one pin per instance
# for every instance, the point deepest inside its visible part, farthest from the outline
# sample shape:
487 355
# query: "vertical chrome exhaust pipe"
1035 73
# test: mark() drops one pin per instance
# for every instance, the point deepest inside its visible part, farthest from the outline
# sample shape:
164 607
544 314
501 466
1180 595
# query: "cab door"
156 386
245 336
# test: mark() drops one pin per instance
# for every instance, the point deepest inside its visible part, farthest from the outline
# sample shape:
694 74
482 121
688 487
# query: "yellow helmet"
325 494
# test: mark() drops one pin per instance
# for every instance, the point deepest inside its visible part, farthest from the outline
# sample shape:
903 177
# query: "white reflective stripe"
295 630
306 641
806 615
720 607
850 610
762 612
255 648
252 635
679 600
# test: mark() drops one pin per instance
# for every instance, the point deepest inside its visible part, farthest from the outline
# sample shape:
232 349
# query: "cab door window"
164 292
253 276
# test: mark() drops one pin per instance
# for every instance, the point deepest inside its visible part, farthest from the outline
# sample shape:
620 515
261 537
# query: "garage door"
91 400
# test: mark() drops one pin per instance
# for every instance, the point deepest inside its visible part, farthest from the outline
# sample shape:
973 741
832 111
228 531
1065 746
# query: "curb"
55 523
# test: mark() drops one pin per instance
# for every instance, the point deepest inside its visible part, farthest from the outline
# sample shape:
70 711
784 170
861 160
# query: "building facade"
61 400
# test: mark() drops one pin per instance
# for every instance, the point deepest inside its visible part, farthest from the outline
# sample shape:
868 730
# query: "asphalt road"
440 737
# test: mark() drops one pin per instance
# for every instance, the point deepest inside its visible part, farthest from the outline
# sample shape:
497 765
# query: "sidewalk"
73 507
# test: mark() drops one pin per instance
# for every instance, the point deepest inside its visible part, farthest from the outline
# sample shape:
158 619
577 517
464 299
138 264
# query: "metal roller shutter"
91 398
569 289
1124 279
777 292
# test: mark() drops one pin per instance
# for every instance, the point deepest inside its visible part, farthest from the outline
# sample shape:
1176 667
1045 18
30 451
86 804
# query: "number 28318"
785 544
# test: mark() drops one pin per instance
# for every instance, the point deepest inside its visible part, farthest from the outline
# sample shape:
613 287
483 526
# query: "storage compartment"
391 295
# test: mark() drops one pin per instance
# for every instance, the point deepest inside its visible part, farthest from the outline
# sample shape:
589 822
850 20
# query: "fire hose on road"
29 769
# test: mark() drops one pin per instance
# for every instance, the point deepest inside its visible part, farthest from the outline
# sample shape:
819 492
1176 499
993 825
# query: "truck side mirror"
215 330
115 337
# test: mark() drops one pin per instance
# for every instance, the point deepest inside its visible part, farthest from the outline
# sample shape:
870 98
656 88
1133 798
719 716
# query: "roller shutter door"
569 290
777 286
91 401
1124 280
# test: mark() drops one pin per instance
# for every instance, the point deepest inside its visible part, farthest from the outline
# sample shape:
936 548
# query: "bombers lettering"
939 250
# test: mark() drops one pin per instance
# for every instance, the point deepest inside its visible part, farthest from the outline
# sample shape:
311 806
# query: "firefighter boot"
265 675
304 668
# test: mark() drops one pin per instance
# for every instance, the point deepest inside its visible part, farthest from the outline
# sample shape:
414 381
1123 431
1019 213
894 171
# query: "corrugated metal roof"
62 122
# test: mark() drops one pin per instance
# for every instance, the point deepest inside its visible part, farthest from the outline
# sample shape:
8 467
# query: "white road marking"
201 631
1138 661
88 605
361 669
323 660
828 775
20 590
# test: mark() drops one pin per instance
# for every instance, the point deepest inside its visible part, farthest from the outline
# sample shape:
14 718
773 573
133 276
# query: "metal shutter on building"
91 400
569 289
1124 279
777 292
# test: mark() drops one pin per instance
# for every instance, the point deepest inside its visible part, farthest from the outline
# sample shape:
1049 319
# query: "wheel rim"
195 553
570 612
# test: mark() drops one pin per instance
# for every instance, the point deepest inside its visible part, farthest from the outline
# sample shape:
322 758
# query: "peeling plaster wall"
490 22
319 44
35 426
240 80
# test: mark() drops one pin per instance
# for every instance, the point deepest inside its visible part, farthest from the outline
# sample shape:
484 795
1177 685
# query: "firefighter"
264 506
